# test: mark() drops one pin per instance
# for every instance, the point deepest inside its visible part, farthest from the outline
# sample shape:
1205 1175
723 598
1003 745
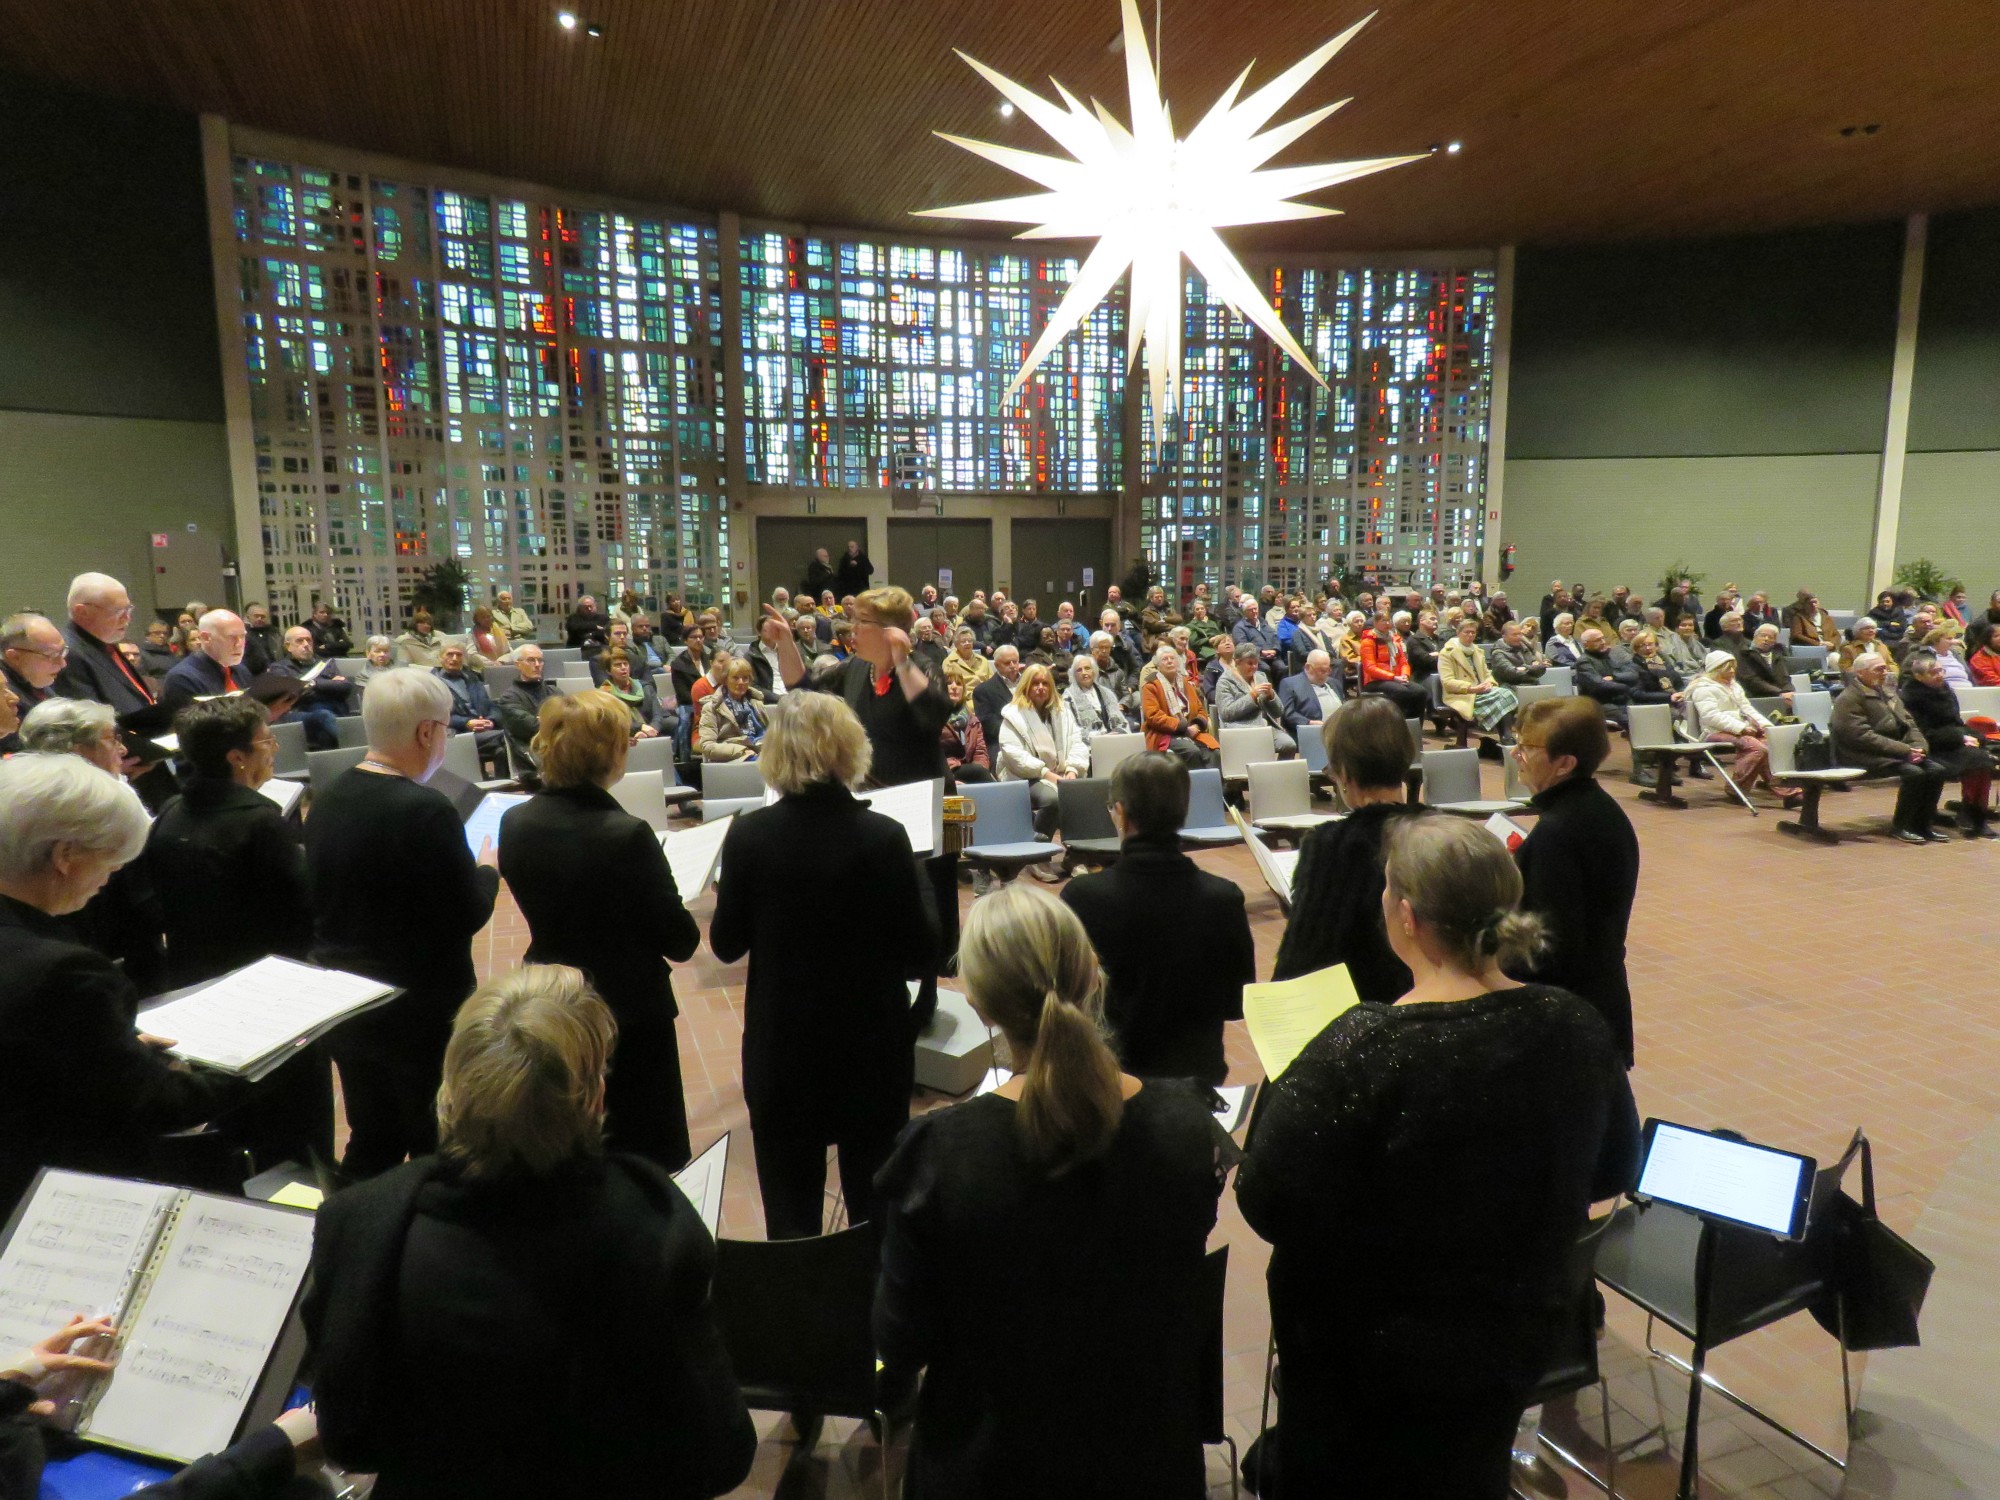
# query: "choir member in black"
1042 1260
80 1087
1336 915
572 838
828 1028
395 896
1579 862
1422 1172
1173 939
506 1261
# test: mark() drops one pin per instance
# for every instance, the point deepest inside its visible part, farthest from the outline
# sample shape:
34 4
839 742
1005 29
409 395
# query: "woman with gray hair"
381 657
79 1087
397 897
75 726
1093 706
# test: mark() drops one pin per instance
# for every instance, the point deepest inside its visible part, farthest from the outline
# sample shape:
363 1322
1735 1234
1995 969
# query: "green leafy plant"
1675 571
1928 579
443 592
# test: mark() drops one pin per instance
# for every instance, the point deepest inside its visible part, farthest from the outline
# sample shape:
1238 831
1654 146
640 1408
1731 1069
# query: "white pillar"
1896 438
252 582
1496 419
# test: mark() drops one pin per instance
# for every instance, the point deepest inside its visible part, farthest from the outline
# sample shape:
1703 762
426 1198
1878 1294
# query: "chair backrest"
1562 677
1844 618
576 671
731 778
352 730
347 666
1451 776
1084 805
1652 726
1004 812
1801 682
1107 750
461 756
1278 788
501 676
1973 699
653 755
663 684
1243 744
1573 1361
323 765
558 685
1814 708
556 655
548 627
1782 742
1769 706
1535 692
796 1318
1804 655
1206 809
1416 727
643 795
291 753
1312 748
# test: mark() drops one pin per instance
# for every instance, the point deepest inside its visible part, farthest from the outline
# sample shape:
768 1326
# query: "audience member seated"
1203 628
157 655
1174 715
1042 745
510 617
1725 715
1956 607
587 628
965 665
1043 1255
519 706
1811 623
487 641
924 643
1761 667
1424 644
1243 695
1093 707
1982 653
1514 660
325 697
215 668
1579 862
574 837
79 1087
1473 1101
1562 647
966 757
1336 910
1873 729
641 699
828 1031
1385 669
1922 621
520 1223
1947 643
1173 939
471 706
1759 612
1112 674
328 632
1659 679
395 897
617 638
1253 631
1470 690
1889 618
1309 699
1867 641
1601 679
733 720
1954 745
420 645
991 697
380 658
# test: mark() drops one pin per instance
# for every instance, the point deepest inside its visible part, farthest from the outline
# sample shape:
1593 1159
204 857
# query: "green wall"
1951 514
1955 398
111 409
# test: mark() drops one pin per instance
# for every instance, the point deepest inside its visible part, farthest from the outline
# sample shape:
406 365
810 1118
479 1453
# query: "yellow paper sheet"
1287 1013
298 1195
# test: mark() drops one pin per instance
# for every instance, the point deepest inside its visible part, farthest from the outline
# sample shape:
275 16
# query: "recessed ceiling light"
566 19
1850 131
592 29
1454 148
1006 109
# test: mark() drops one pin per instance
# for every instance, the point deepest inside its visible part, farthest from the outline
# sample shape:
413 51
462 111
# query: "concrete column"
1003 547
1896 436
1496 421
735 589
247 546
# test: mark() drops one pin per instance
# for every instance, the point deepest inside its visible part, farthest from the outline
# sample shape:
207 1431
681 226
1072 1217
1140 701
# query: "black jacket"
200 675
519 707
1176 951
851 575
78 1088
1580 873
827 1033
902 731
582 629
97 672
1937 714
819 578
559 846
230 877
989 702
1337 906
330 639
500 1282
28 698
1761 676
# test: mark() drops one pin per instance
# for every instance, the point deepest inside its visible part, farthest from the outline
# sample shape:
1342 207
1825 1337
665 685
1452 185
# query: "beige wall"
83 494
1776 523
1951 504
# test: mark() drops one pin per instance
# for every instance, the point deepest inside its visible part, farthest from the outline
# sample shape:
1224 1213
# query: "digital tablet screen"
1721 1178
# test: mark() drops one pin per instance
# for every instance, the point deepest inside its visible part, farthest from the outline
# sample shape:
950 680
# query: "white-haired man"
396 896
217 668
100 612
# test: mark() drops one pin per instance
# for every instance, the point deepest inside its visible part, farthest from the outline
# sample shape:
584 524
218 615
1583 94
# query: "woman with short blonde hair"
1065 1213
582 739
814 740
1041 744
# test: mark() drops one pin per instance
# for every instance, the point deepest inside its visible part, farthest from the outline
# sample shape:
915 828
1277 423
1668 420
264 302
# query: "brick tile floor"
1785 989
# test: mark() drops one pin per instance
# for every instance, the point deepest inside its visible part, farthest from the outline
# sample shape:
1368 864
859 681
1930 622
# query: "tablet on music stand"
1719 1177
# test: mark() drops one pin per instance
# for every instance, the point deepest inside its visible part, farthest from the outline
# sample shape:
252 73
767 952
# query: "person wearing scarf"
732 718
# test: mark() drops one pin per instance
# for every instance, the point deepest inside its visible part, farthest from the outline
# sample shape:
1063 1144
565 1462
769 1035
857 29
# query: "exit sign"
159 539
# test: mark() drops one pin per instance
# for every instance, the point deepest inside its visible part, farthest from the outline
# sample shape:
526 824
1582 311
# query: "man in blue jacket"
1311 696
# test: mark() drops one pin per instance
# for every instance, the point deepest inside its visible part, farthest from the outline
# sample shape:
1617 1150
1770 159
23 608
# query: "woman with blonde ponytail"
1422 1171
1043 1243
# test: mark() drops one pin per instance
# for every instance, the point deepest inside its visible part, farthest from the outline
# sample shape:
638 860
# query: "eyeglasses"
58 653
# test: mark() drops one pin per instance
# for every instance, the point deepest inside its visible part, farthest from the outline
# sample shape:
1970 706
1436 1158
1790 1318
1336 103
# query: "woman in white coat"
1722 712
1041 744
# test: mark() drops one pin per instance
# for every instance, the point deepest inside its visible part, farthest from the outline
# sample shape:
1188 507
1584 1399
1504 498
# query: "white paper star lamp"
1149 198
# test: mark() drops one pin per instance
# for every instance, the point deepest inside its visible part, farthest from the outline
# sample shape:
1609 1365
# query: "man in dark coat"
1173 939
991 697
32 653
520 706
587 627
1580 863
852 573
819 579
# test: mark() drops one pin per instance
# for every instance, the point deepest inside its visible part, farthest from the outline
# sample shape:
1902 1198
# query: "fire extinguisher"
1507 561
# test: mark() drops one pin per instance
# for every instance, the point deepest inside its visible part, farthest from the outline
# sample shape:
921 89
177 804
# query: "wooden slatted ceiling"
1581 119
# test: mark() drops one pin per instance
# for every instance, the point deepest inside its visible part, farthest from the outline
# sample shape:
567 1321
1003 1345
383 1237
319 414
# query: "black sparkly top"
1421 1171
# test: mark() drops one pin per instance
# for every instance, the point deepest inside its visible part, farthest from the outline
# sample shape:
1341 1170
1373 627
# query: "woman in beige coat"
1469 688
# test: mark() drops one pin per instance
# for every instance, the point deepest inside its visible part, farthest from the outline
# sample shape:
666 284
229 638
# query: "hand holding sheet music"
692 854
242 1020
1285 1014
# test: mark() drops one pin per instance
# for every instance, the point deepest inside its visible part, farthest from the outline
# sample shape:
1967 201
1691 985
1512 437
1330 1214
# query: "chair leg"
1235 1465
1808 825
1610 1453
1691 1438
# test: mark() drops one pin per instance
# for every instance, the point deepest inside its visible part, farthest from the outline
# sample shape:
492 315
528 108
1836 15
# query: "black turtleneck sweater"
1337 906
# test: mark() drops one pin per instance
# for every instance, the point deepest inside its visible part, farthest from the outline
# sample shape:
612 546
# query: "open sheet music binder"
251 1021
203 1289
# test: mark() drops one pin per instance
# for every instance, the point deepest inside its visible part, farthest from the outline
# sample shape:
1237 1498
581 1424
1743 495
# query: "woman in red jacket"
1385 669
